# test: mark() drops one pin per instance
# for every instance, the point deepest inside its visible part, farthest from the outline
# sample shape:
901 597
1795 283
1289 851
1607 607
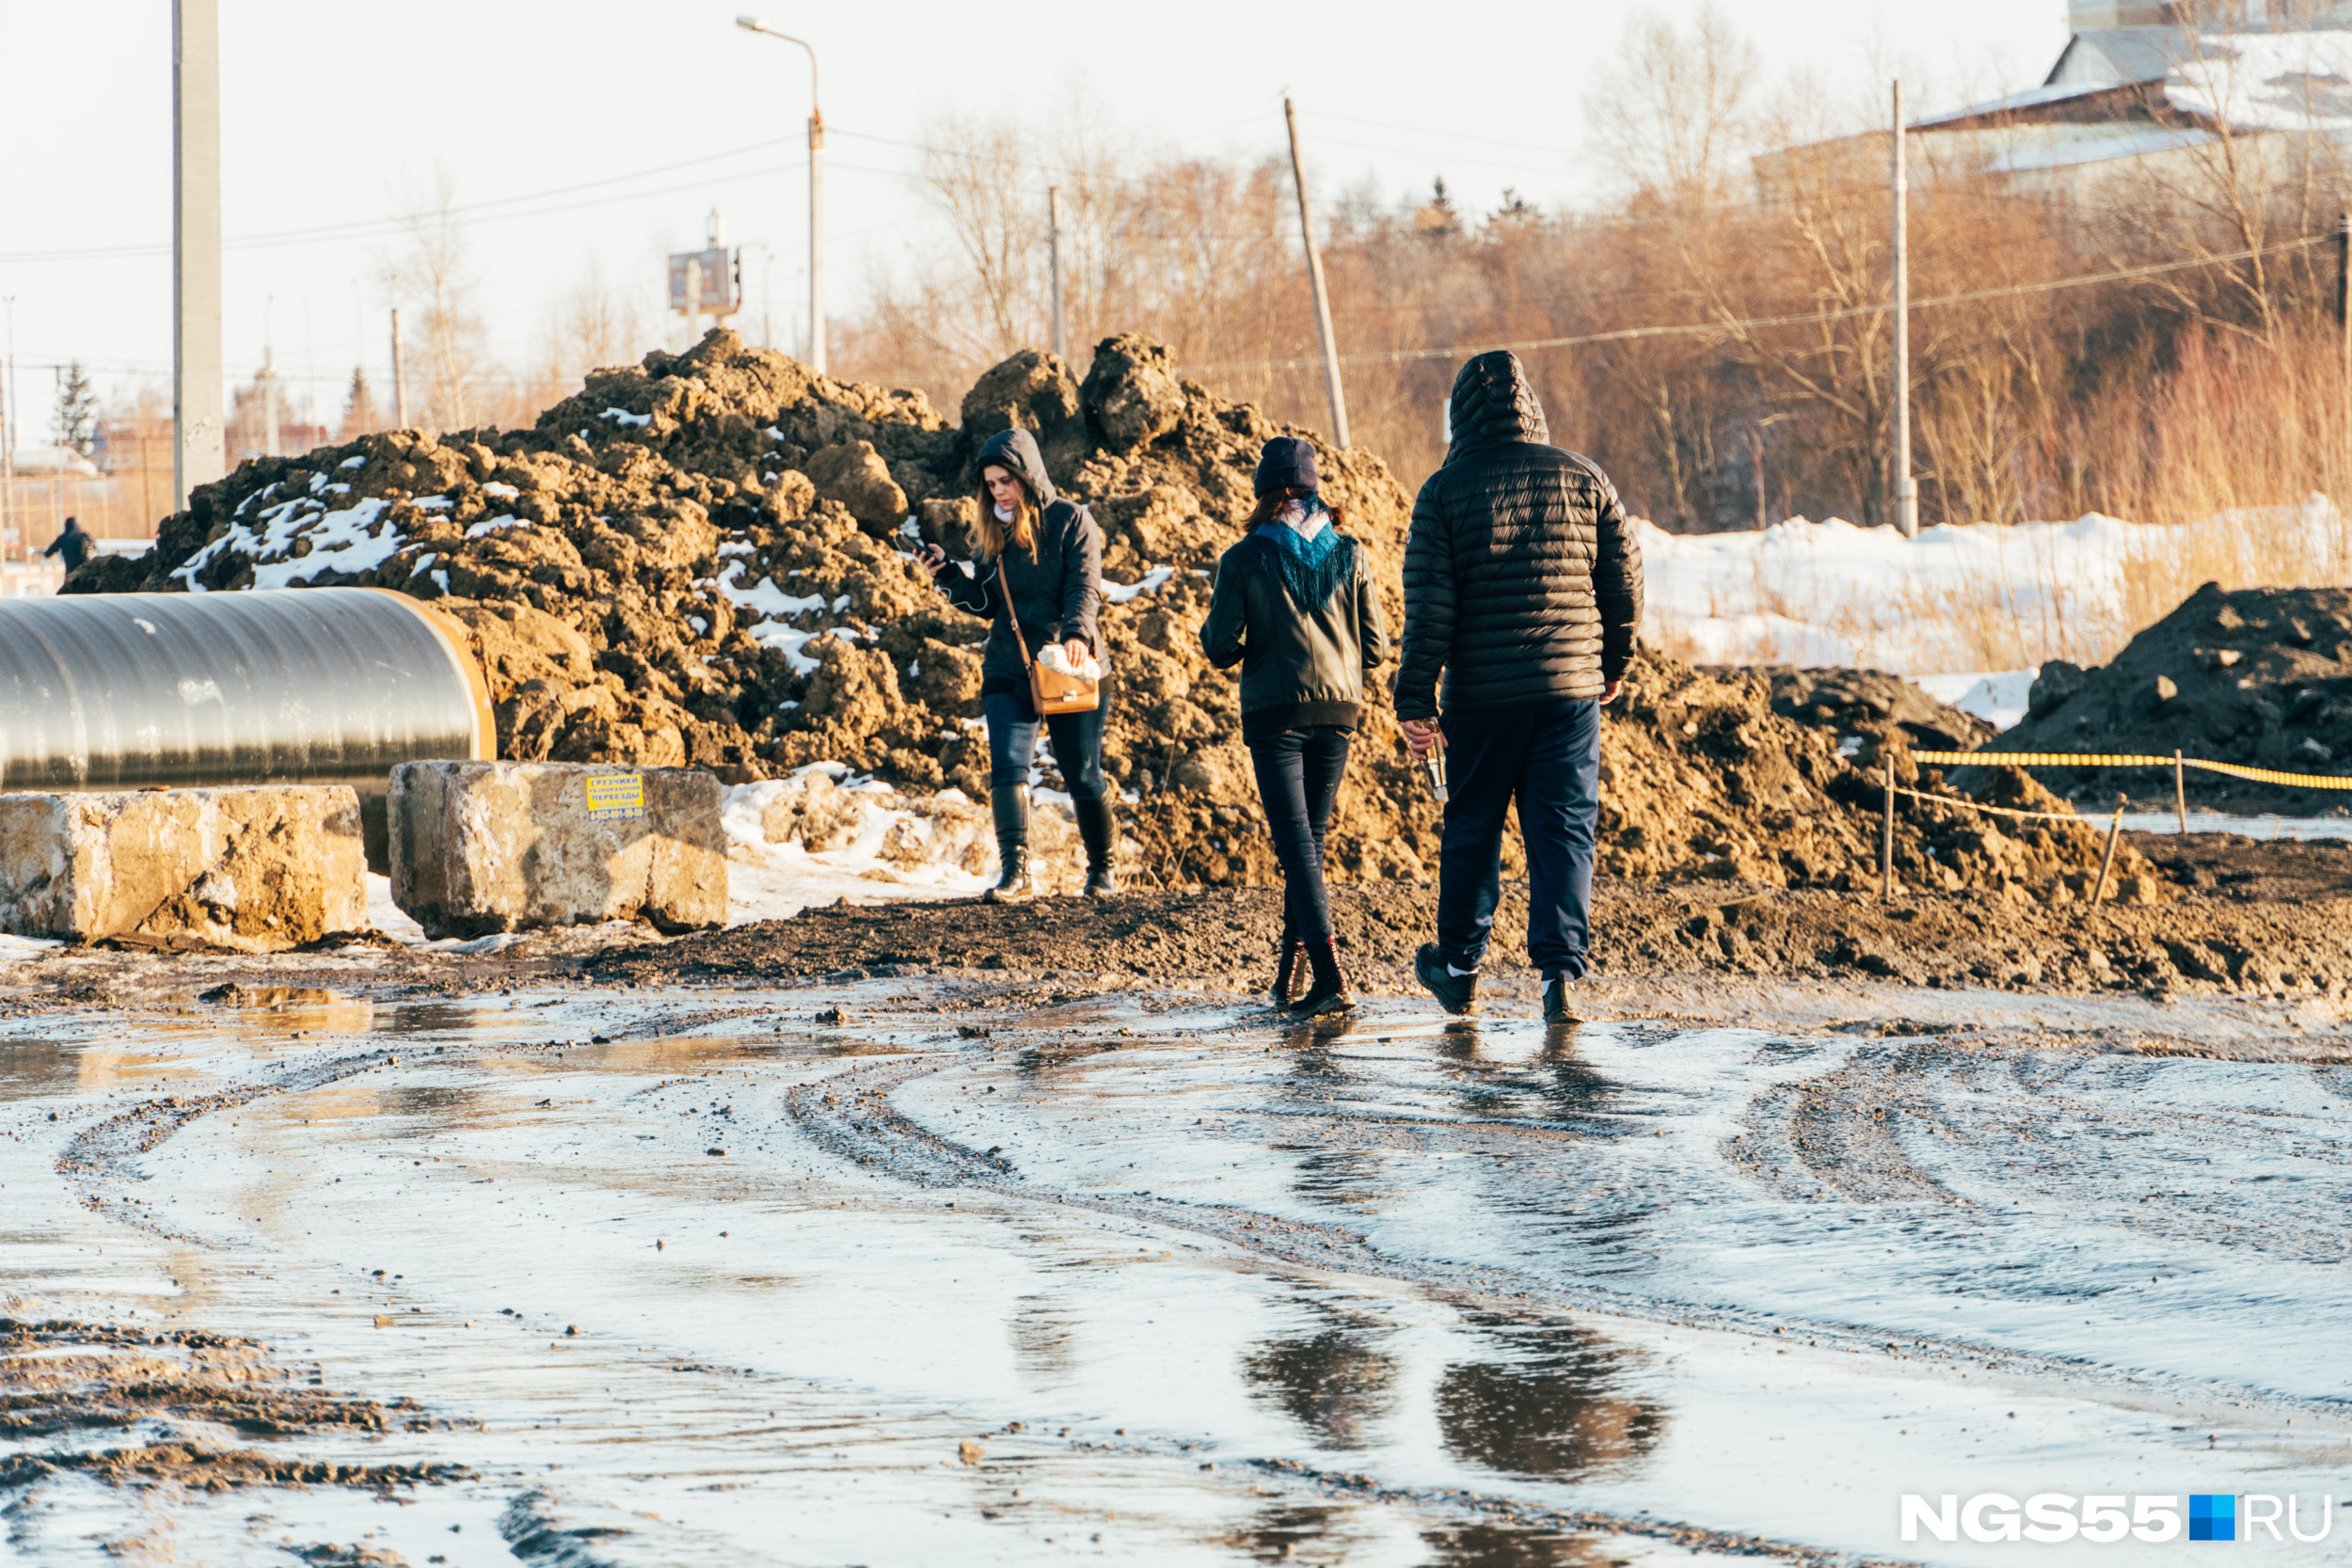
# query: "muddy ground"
2266 918
2248 917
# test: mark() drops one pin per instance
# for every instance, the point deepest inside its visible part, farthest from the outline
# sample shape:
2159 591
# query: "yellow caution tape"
2047 759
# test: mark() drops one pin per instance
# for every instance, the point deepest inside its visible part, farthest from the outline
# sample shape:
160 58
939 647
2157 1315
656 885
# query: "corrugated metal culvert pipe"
301 686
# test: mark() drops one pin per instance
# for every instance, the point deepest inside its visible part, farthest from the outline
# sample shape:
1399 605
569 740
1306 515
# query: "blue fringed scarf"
1312 569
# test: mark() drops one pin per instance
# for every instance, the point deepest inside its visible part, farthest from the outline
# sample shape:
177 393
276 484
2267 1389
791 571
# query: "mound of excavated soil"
2261 677
702 561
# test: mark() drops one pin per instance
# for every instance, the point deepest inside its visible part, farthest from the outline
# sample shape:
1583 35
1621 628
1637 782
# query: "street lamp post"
816 197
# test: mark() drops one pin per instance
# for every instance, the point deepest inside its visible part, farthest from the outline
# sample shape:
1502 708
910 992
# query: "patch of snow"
763 599
388 917
1833 594
873 846
14 950
622 416
1153 580
1998 699
353 462
500 489
431 504
350 540
478 529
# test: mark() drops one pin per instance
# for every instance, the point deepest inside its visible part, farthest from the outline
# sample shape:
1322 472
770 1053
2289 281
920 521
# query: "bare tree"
451 343
1672 113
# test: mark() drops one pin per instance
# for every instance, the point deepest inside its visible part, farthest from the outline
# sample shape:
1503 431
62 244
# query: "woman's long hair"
996 535
1270 503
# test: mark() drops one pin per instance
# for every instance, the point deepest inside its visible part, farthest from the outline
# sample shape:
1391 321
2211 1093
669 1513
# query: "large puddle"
855 1276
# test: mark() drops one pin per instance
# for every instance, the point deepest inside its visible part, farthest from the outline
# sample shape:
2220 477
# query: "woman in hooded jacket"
1295 608
1047 552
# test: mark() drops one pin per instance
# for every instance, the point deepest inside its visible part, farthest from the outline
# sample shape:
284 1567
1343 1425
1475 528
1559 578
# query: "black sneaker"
1456 993
1556 1007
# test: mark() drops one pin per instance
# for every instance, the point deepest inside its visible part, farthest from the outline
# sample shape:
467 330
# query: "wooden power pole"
1314 276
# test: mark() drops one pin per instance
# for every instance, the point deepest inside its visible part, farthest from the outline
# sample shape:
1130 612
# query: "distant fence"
2179 764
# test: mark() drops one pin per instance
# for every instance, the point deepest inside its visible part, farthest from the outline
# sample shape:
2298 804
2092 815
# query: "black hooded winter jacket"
1057 590
1522 580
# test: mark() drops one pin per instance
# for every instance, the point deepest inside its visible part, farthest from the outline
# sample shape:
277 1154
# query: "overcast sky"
661 111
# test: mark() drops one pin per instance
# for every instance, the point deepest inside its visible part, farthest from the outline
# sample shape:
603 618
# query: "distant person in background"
1295 608
71 543
1048 552
1523 584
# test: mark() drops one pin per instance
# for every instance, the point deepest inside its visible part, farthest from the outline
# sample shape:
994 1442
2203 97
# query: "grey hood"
1493 405
1016 448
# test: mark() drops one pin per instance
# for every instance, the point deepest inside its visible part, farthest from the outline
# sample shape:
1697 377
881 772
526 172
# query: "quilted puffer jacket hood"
1493 403
1016 448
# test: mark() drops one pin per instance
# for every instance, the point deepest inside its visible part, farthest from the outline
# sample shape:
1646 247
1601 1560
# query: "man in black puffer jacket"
1523 583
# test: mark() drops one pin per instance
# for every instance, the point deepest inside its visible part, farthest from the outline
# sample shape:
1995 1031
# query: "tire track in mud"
849 1115
100 1156
1841 1133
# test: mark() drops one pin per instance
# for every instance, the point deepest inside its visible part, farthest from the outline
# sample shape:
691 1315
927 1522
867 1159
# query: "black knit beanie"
1287 464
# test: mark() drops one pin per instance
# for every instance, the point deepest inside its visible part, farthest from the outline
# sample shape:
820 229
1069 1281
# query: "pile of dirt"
702 561
2261 677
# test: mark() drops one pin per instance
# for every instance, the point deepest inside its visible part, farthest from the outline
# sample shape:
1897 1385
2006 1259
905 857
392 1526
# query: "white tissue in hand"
1056 658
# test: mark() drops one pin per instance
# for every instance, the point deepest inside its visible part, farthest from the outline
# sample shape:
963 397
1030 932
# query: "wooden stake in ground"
2180 793
1887 838
2106 864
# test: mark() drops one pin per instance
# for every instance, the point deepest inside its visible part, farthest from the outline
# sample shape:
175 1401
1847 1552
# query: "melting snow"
622 416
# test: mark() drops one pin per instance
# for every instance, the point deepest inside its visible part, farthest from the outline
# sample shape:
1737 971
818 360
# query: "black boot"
1099 831
1329 993
1010 802
1294 955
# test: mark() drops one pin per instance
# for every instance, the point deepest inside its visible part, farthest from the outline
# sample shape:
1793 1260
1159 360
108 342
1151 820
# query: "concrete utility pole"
816 197
1906 488
200 425
1053 247
1314 276
400 379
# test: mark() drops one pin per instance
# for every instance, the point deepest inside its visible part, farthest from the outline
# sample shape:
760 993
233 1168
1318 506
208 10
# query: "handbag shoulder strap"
1004 584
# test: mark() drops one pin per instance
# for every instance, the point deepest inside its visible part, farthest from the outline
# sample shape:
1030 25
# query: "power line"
1630 334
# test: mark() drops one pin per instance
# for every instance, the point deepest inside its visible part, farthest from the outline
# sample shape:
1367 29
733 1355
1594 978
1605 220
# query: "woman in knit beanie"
1295 608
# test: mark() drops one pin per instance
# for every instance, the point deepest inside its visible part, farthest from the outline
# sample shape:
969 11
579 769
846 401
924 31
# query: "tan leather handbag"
1050 689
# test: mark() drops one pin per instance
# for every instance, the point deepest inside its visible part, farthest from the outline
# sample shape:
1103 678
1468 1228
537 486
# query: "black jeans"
1549 757
1298 779
1012 723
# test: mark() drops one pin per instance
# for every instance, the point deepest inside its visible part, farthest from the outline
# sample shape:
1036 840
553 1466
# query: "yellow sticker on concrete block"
616 796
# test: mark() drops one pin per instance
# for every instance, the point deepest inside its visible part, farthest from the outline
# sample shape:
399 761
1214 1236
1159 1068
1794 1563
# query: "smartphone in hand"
930 557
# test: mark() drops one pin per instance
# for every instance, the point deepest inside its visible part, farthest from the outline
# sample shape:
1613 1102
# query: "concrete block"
484 847
258 870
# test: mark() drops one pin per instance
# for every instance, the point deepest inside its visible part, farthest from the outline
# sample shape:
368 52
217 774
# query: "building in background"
2143 95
